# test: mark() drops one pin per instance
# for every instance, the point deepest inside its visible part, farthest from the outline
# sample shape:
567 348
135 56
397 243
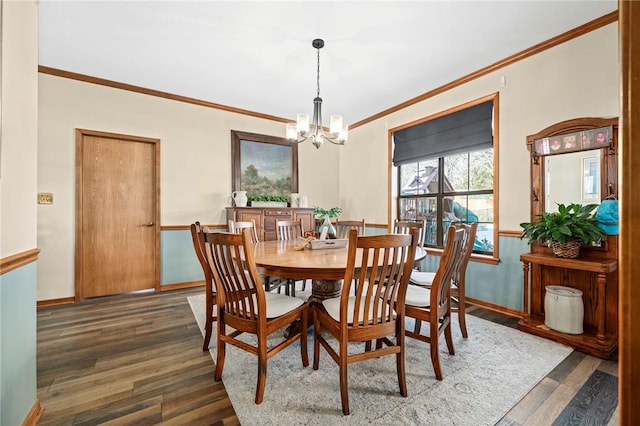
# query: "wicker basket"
570 249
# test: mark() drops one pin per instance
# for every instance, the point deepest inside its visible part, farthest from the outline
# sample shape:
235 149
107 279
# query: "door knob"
147 224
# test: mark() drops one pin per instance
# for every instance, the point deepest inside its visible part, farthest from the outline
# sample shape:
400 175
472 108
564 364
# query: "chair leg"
262 370
449 339
417 326
344 387
208 330
433 345
303 338
462 315
221 348
402 377
316 342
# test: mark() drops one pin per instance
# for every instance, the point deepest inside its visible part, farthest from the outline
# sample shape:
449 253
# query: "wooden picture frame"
274 163
573 141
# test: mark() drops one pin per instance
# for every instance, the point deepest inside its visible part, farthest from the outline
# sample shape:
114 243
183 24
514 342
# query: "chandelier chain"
318 74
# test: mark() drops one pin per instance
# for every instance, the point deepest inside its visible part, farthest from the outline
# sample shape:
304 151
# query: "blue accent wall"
18 385
500 284
178 261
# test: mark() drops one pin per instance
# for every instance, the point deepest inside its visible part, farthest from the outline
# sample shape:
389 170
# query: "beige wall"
18 186
195 162
576 79
18 171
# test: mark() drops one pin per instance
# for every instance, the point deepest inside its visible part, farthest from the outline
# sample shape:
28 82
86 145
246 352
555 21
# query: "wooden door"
117 213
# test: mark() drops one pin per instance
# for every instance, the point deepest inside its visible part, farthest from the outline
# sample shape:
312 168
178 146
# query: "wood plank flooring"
138 359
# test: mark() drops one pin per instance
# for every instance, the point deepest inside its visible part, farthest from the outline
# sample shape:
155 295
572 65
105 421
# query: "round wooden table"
325 267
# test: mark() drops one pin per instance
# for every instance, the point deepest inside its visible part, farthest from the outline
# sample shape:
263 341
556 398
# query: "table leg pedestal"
324 289
320 290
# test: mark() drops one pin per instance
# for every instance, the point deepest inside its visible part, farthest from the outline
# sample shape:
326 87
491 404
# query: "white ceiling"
258 56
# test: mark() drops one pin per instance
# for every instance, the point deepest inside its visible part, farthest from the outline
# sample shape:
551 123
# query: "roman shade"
466 130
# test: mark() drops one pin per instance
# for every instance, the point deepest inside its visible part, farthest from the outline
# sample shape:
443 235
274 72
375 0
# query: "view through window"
446 173
446 189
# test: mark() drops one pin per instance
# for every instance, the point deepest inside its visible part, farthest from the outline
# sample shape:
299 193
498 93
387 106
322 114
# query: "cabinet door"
308 222
247 215
270 218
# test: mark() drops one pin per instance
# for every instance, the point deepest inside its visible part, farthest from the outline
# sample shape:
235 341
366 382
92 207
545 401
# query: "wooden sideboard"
266 217
596 278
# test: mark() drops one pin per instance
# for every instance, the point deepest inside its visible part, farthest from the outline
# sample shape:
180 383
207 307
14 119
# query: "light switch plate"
45 198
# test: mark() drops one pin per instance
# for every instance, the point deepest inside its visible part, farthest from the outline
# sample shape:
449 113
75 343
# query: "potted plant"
565 230
268 200
332 213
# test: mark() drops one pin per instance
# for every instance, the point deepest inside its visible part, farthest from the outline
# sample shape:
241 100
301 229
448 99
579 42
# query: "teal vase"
331 230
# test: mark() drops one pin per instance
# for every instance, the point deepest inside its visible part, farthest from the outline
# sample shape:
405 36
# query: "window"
442 185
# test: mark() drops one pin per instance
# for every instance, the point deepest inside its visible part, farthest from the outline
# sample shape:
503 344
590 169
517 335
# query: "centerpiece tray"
325 244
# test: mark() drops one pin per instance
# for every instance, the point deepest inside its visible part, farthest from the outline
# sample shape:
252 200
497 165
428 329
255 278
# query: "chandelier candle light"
303 130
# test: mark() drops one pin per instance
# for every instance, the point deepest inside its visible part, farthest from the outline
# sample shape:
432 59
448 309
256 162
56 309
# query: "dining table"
325 267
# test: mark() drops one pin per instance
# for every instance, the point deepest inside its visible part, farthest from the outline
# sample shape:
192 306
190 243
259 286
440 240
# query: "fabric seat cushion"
280 304
332 306
422 278
418 296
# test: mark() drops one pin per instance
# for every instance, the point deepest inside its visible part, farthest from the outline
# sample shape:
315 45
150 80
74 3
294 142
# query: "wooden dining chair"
198 237
344 226
236 227
245 307
369 313
404 226
289 230
434 305
459 277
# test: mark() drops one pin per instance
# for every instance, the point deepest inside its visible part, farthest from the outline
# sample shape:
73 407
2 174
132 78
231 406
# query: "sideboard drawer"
287 214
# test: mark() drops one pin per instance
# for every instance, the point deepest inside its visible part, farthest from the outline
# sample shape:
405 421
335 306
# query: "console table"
598 281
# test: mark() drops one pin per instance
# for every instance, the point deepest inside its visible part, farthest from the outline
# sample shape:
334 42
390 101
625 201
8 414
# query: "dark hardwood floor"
138 359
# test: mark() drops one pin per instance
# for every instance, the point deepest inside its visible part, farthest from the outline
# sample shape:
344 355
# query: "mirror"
574 161
572 178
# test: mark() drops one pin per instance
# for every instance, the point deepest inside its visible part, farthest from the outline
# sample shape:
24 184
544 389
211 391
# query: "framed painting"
263 164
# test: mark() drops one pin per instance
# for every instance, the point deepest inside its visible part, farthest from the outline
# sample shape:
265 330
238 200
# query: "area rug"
489 373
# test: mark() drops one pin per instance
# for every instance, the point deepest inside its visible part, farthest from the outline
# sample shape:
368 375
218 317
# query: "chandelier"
303 129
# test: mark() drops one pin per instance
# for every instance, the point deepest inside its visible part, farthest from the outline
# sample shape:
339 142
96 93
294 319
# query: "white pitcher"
295 199
239 198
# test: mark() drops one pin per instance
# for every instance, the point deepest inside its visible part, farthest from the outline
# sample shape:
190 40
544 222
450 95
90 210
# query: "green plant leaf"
570 222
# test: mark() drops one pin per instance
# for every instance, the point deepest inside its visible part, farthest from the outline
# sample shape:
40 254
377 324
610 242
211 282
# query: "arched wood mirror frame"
539 147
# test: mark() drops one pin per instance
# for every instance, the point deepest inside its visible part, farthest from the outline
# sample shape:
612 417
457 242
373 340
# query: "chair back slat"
381 277
289 229
344 226
469 241
452 256
403 227
236 227
235 274
198 236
